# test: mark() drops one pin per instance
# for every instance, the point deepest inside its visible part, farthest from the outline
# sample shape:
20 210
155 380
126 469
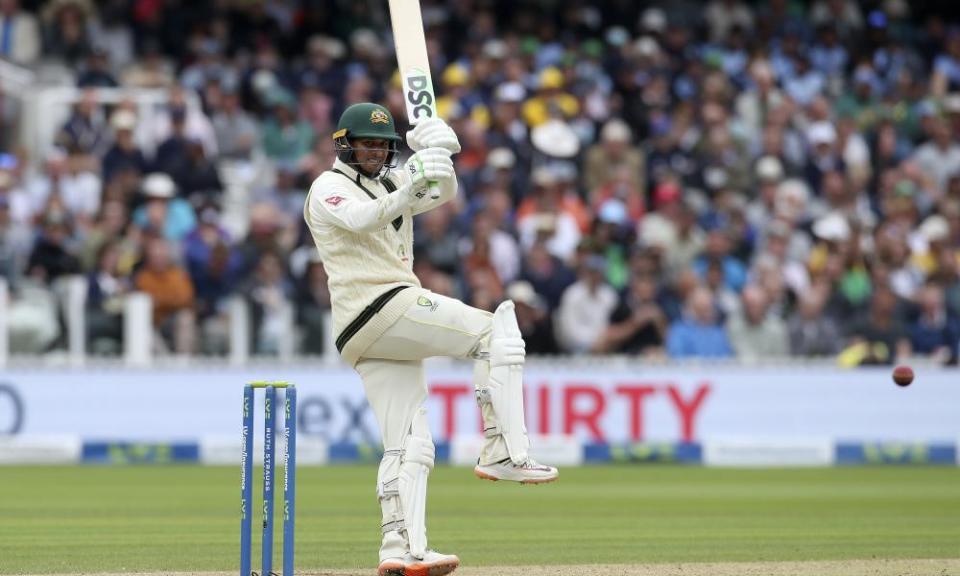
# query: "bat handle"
434 190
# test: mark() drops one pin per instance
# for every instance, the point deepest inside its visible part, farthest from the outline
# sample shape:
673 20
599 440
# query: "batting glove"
428 165
433 133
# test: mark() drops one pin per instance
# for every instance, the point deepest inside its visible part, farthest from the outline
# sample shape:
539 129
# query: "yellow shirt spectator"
551 101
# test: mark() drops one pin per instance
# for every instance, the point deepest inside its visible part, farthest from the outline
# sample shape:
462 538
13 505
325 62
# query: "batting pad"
504 390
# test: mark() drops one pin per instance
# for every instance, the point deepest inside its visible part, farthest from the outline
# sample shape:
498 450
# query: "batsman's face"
371 153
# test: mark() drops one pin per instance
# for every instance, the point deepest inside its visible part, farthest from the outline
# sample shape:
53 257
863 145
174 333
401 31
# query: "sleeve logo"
334 200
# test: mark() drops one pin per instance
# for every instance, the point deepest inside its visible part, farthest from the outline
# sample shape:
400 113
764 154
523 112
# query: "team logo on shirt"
427 303
334 200
379 117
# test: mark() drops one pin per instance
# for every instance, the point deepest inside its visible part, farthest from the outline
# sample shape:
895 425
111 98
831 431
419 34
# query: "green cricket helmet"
365 120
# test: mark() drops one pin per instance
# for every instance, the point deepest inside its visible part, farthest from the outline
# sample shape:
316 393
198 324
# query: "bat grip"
434 190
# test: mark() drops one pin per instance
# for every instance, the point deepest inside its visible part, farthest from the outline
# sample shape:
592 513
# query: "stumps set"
269 473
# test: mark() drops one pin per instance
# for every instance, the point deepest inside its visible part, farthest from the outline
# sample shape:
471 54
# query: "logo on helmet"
379 117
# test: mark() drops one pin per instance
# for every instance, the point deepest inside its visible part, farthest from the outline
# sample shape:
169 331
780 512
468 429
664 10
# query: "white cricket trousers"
392 368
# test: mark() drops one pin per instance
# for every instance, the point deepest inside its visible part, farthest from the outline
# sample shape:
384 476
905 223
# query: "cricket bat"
411 47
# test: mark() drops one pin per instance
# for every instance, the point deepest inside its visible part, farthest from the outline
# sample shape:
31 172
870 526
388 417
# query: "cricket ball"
903 375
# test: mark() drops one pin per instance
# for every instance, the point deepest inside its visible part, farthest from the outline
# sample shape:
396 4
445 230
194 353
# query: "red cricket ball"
903 375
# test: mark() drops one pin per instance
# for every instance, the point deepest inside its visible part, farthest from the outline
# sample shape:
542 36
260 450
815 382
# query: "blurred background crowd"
671 179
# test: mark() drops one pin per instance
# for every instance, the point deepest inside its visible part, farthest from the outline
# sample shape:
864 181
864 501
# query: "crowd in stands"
671 179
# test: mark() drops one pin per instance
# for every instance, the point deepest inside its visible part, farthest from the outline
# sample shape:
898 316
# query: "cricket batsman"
360 213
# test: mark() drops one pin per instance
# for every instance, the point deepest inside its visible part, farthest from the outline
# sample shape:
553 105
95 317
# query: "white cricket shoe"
433 564
529 472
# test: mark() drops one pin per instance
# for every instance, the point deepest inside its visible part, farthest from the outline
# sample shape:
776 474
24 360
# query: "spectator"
698 334
66 184
754 333
171 157
214 267
828 55
235 128
322 71
124 157
844 14
112 225
483 287
549 215
106 289
637 326
478 258
200 181
548 275
507 129
615 156
20 40
96 71
437 241
551 100
861 103
931 245
584 312
717 253
946 66
85 132
804 84
287 195
939 157
658 227
215 271
761 95
610 238
892 249
263 236
689 241
313 306
152 70
208 65
67 30
53 254
163 213
502 247
786 249
286 138
169 286
533 318
824 156
879 335
813 146
812 332
196 124
620 189
722 16
936 331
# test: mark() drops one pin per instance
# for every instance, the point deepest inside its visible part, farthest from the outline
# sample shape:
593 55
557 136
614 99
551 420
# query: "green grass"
113 519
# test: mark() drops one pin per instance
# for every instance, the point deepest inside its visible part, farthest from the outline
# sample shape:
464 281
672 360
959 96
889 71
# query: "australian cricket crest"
427 303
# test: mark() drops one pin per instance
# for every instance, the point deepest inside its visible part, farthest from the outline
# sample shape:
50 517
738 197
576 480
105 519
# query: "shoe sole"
484 476
438 569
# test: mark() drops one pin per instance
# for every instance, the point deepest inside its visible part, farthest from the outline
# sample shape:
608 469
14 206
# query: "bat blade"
410 43
414 65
